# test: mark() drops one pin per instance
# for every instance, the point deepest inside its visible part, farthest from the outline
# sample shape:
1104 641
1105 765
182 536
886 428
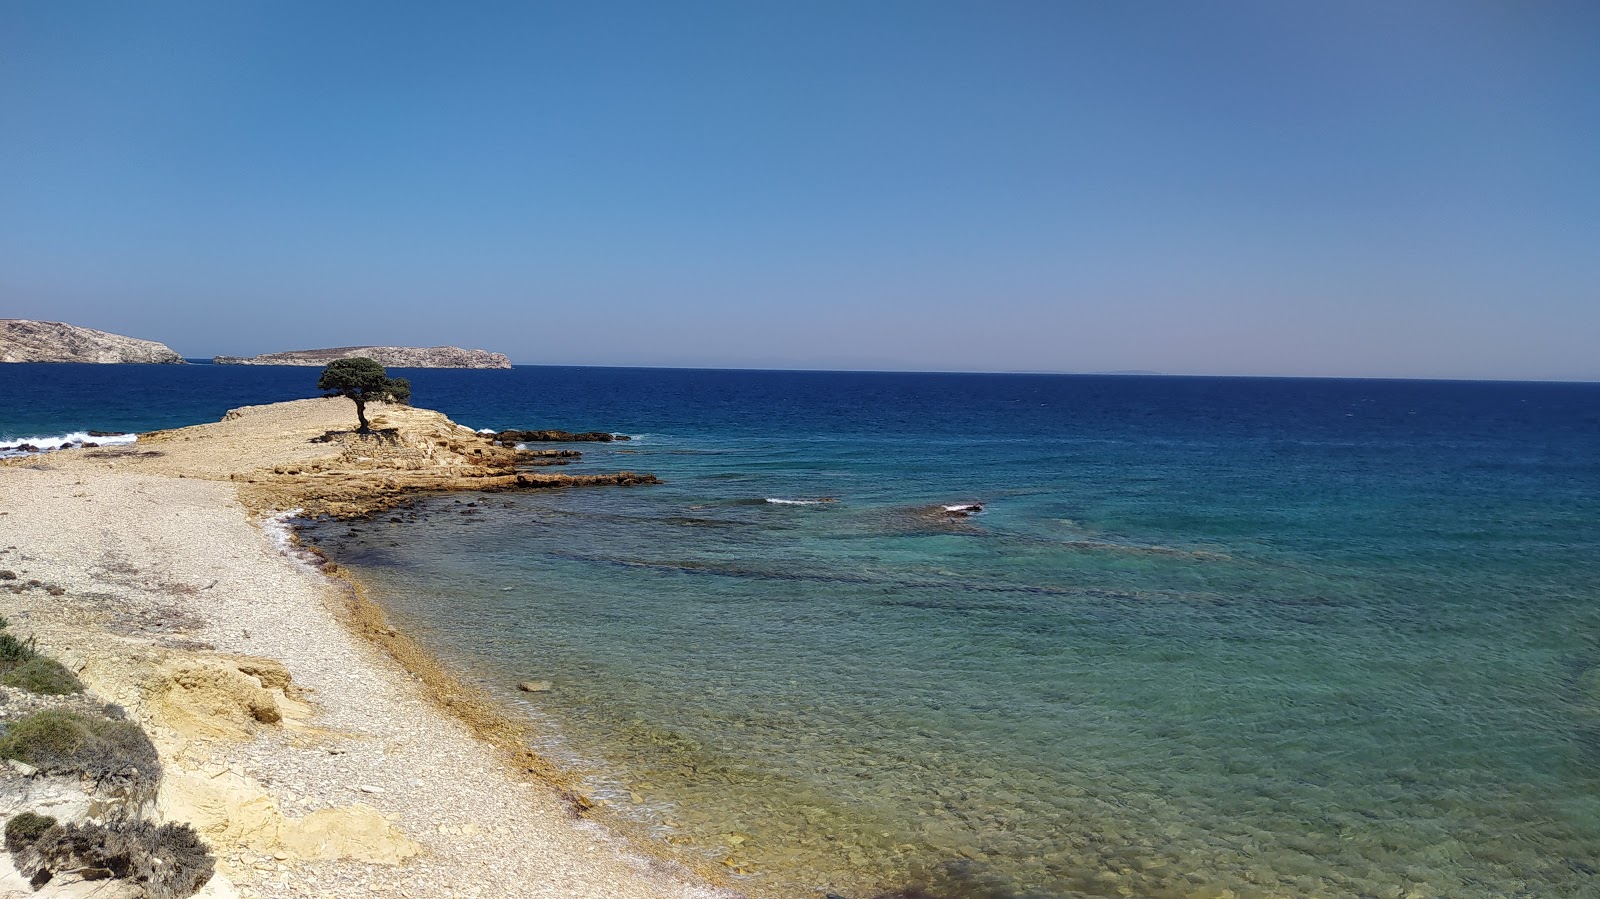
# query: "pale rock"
32 341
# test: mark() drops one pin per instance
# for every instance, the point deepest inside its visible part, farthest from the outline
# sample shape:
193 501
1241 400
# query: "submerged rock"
512 437
535 686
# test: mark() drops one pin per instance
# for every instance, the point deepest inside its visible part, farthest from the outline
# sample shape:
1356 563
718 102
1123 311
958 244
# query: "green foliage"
59 741
43 675
14 652
364 381
25 828
165 862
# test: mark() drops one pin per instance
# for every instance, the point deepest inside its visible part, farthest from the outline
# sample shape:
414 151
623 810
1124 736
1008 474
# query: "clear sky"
1348 188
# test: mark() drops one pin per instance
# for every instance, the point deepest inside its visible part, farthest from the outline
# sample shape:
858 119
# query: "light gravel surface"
155 564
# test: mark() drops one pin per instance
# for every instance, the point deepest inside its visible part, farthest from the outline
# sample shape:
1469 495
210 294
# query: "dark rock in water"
90 445
619 479
8 575
29 448
964 510
535 686
105 433
512 438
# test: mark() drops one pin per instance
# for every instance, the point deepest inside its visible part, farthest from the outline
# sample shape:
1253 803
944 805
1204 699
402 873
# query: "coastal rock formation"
388 356
30 341
321 465
512 438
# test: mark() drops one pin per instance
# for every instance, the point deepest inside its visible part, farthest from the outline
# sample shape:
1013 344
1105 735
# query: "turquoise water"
1348 651
1208 637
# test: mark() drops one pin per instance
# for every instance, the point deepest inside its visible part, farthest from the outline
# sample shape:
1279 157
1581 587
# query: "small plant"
59 741
43 675
26 827
166 862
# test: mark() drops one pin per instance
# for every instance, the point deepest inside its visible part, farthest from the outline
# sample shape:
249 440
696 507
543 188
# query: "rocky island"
389 356
22 340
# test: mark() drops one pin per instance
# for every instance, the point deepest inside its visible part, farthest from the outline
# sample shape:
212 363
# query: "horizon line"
1133 373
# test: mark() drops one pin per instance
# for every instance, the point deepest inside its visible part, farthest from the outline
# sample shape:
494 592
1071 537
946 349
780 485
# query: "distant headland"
22 340
392 356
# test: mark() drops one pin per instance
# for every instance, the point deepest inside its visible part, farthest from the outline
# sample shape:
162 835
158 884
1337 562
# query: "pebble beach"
311 761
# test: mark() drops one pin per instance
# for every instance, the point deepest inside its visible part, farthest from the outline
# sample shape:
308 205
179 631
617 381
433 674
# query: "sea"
1012 635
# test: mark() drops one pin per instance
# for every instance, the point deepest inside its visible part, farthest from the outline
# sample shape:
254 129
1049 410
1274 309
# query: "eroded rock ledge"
305 454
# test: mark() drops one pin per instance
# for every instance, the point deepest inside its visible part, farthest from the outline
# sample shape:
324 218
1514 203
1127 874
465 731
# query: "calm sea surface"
1274 637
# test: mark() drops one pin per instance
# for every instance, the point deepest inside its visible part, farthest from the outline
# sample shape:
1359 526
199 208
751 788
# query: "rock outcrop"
388 356
325 469
30 341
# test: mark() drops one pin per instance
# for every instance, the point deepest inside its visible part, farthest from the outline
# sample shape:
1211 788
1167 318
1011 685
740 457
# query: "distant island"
22 340
391 356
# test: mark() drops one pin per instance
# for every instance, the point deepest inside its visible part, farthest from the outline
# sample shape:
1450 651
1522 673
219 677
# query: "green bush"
42 675
58 741
26 827
14 652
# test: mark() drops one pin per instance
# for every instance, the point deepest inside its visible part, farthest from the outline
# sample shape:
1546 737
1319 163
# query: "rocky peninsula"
312 747
389 356
22 340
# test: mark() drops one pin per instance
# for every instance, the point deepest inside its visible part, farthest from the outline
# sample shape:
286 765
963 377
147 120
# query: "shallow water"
1276 637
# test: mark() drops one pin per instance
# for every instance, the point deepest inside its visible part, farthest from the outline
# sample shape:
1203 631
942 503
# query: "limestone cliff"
389 356
29 341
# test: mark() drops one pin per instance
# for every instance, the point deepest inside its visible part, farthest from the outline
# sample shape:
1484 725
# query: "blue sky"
1364 189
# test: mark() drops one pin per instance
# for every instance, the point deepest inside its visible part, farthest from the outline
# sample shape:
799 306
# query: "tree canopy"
365 381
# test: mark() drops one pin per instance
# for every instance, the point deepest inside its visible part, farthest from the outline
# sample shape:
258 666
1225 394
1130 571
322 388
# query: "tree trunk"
361 416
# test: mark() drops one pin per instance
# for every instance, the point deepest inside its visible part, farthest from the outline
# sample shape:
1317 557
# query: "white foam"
799 502
75 438
968 508
487 431
280 532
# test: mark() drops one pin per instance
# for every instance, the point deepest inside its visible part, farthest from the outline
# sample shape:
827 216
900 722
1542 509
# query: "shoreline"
496 726
385 773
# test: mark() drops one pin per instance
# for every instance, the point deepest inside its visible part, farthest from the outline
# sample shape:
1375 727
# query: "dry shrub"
166 862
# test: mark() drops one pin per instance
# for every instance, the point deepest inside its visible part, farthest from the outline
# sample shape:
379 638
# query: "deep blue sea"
1208 637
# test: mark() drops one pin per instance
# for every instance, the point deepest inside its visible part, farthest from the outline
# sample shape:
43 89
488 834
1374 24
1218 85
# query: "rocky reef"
389 356
22 340
512 438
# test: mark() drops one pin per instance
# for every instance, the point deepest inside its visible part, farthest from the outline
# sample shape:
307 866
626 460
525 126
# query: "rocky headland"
390 356
313 749
22 340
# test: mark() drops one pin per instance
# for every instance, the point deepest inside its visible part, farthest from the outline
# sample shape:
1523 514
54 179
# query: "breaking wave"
71 440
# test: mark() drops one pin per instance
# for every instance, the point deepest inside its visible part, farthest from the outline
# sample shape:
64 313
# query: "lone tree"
364 381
